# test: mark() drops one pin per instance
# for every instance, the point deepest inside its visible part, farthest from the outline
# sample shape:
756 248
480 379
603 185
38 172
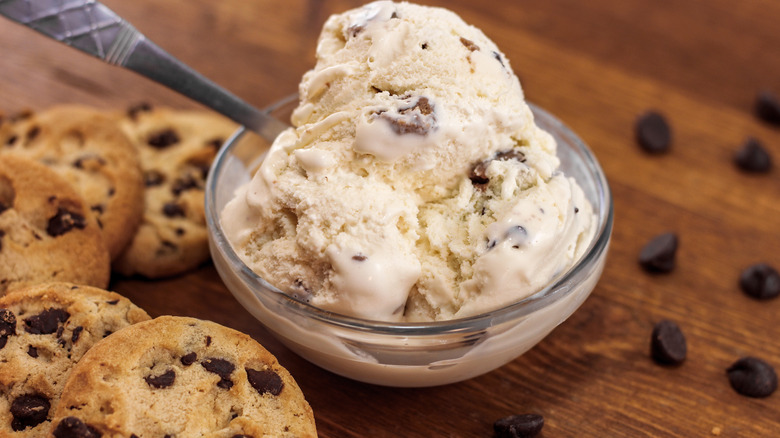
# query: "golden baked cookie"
176 148
44 330
46 231
181 377
89 151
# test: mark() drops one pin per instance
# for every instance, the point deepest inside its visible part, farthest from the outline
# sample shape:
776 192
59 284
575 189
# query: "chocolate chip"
215 143
222 368
80 162
166 247
424 46
753 157
11 140
667 345
188 359
183 184
76 333
653 132
134 110
112 302
153 178
7 323
3 207
478 173
518 426
760 281
29 410
658 255
97 208
469 44
265 381
242 436
64 221
498 57
752 377
180 231
359 257
208 341
768 107
164 380
172 209
163 139
33 132
46 322
32 351
72 427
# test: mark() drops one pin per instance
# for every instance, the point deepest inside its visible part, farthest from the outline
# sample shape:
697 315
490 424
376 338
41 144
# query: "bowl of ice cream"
420 223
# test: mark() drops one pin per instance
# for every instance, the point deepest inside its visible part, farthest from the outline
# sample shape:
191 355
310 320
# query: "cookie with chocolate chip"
44 330
46 230
176 149
86 148
178 376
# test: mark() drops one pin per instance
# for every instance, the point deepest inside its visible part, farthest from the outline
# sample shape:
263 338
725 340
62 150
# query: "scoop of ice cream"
414 184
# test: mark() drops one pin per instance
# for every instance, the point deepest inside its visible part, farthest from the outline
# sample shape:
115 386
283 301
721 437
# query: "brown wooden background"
596 64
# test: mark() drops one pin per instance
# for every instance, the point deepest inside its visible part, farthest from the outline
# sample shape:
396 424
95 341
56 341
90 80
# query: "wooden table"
597 65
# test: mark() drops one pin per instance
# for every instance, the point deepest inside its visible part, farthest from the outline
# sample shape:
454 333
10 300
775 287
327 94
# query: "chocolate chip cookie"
46 230
91 152
44 330
176 149
181 377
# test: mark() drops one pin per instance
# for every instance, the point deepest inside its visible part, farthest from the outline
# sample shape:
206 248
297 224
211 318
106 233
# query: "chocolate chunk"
33 132
134 110
32 351
265 381
29 410
760 281
7 323
46 322
768 107
153 178
469 44
64 221
72 427
658 255
478 173
222 368
76 333
163 139
188 359
753 157
183 184
653 132
668 346
417 118
518 426
172 209
752 377
164 380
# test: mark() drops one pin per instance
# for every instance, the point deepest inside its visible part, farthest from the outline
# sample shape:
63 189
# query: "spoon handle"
91 27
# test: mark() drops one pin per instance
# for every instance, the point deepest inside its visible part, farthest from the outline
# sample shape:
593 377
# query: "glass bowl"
408 354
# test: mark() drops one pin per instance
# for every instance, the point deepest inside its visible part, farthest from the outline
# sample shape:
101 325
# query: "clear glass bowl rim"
557 289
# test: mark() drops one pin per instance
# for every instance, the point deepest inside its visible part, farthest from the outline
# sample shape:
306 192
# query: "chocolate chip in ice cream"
416 118
752 377
668 345
753 157
653 132
768 107
469 44
760 281
478 173
518 426
659 254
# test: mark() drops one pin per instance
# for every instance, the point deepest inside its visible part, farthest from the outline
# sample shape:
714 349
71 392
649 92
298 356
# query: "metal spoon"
91 27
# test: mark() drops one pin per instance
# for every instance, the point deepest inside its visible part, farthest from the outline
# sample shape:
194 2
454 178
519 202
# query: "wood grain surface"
597 65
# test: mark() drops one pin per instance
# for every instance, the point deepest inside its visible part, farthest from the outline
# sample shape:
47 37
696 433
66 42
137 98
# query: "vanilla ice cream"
414 184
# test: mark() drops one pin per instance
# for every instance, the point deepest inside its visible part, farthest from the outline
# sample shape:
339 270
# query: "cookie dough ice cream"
414 184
